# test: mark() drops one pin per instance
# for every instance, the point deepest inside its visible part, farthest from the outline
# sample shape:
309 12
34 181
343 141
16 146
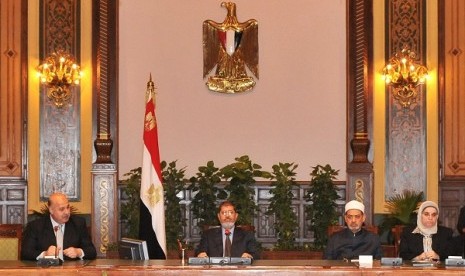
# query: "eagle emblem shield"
230 46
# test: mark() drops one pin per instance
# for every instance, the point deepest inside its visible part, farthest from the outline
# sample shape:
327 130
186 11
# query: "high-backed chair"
10 241
396 232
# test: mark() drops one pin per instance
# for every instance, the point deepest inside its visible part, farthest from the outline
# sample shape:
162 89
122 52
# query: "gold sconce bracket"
59 73
403 74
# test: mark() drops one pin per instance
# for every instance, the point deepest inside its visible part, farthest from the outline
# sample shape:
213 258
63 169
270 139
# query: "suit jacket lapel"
50 232
237 238
66 234
70 232
218 241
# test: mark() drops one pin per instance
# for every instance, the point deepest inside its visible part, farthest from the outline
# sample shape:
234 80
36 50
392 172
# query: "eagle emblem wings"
231 47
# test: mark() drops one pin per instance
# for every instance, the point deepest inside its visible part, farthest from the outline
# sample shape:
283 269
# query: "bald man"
40 236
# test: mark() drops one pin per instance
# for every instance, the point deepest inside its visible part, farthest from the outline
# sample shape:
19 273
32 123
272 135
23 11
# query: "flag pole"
152 211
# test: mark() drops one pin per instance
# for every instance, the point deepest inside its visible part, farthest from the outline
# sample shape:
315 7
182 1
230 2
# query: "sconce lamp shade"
404 75
59 73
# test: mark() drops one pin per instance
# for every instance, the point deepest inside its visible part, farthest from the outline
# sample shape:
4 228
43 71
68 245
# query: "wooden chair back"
396 233
10 241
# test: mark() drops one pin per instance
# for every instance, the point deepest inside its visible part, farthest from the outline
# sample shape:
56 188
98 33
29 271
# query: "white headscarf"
420 227
426 232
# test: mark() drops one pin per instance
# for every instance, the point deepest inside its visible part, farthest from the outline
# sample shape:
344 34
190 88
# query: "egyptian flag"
152 208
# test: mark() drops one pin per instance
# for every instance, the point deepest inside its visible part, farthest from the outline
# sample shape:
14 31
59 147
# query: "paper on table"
365 261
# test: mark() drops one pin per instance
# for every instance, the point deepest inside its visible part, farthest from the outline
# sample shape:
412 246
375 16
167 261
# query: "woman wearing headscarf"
426 240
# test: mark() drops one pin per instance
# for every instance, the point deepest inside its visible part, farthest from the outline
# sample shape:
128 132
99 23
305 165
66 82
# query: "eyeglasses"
229 212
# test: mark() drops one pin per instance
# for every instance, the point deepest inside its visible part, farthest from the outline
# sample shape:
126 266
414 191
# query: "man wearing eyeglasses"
227 240
354 240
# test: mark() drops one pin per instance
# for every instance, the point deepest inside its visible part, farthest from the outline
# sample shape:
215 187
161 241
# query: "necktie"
59 235
227 243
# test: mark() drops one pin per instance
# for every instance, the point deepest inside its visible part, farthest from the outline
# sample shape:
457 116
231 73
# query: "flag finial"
150 94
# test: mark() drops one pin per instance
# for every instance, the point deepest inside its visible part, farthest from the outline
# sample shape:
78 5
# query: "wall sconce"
404 75
58 73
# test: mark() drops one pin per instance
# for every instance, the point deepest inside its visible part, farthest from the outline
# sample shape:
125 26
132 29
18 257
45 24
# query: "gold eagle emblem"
230 46
150 121
153 194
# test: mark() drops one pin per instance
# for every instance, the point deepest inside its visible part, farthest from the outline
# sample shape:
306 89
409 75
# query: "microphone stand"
51 260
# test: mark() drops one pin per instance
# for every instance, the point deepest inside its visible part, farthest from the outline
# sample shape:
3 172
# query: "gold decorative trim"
359 194
104 215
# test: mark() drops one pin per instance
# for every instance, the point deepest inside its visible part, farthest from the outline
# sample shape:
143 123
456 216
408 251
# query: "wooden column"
359 90
104 173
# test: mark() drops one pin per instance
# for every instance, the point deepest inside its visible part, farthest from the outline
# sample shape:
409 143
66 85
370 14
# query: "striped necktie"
227 243
59 236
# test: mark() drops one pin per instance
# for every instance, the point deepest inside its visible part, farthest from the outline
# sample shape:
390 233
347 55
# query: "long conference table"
259 267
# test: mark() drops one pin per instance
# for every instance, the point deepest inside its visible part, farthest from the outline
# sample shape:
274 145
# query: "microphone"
51 260
223 262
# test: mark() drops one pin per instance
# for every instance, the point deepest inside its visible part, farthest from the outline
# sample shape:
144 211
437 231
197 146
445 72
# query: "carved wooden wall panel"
60 148
451 199
405 127
13 203
12 89
13 103
451 110
454 90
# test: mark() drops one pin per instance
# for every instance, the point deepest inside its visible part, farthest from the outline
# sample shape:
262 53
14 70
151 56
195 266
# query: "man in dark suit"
214 241
40 237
